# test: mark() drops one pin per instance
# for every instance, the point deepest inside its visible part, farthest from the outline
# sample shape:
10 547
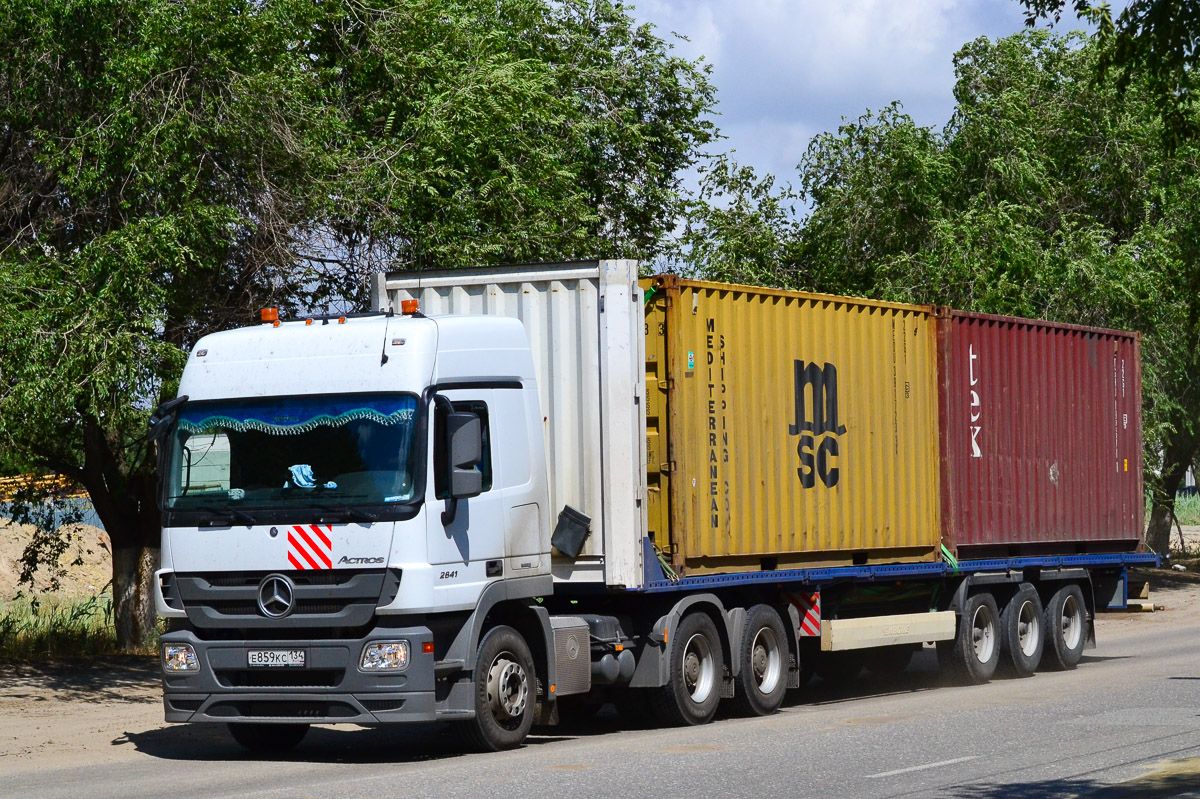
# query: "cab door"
465 537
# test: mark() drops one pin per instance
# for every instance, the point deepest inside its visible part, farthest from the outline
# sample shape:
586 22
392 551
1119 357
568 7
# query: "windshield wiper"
353 513
234 513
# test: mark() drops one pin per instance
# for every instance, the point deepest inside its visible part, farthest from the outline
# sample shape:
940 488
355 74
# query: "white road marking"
921 768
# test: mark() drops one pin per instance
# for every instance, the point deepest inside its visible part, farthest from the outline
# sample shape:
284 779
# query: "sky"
787 70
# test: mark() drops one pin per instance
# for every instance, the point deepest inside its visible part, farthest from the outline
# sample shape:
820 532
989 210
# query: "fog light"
179 657
385 656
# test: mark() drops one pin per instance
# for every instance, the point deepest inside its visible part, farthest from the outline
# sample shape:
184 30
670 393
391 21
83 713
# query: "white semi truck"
442 510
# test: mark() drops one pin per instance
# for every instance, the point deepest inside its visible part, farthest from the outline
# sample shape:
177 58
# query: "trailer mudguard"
654 662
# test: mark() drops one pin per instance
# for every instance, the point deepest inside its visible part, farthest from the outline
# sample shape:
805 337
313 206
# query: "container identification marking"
818 421
976 406
718 427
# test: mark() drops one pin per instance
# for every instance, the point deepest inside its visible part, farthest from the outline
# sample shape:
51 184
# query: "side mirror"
163 417
464 448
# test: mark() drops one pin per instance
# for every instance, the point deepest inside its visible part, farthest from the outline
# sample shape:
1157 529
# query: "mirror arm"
450 512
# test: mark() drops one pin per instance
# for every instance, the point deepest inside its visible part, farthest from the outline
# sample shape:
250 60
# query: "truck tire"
888 661
762 678
268 738
1065 620
1021 639
972 656
839 669
505 692
693 689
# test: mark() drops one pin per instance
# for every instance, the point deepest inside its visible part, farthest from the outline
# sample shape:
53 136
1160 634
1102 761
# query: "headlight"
385 656
179 657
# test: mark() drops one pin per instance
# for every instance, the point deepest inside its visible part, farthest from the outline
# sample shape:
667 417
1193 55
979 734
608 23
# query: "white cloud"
789 69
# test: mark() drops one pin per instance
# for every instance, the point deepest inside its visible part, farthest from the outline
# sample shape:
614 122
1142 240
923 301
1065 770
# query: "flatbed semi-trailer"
509 487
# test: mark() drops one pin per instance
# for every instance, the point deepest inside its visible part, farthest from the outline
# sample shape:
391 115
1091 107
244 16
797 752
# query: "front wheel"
505 692
762 678
693 689
268 738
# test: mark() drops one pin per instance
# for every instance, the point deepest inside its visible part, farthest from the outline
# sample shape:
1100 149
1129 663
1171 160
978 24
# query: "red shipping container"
1041 440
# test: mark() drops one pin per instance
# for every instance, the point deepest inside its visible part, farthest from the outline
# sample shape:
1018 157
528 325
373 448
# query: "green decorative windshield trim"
292 426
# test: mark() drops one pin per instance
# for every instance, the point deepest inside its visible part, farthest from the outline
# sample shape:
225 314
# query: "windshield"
312 452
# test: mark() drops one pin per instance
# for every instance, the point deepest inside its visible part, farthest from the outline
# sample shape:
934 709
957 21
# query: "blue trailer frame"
657 582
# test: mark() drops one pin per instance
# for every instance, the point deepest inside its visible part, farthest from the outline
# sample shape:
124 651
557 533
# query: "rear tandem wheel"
972 655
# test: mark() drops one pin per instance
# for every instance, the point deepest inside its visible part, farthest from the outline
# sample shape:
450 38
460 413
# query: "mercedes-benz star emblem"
276 596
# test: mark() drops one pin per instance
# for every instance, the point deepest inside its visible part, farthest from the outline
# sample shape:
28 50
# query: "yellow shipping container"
789 430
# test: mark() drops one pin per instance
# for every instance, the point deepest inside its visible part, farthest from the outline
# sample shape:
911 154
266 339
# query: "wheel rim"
766 660
1029 631
699 669
983 634
507 688
1072 622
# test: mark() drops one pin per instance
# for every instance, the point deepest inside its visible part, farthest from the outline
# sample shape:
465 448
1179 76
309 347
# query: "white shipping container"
585 323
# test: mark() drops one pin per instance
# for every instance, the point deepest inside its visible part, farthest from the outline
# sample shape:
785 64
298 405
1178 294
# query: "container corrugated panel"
802 428
585 330
1042 446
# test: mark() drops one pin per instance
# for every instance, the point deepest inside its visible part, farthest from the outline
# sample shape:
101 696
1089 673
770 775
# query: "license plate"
269 658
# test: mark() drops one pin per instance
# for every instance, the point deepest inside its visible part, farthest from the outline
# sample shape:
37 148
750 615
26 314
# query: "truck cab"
344 499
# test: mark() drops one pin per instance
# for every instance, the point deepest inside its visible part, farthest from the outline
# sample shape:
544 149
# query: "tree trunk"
133 595
1177 456
123 495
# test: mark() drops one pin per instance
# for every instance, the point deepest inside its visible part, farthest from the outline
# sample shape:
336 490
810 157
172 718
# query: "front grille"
303 607
338 598
280 678
307 577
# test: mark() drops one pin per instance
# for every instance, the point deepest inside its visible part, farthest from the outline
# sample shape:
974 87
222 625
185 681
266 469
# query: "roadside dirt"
85 567
64 712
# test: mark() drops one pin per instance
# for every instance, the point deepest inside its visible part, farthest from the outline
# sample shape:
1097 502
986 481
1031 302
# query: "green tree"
739 228
166 167
1153 42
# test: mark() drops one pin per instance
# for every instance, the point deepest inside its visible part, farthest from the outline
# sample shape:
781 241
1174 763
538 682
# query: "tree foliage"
166 167
1152 42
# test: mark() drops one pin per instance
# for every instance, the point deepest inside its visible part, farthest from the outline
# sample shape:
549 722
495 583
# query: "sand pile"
87 544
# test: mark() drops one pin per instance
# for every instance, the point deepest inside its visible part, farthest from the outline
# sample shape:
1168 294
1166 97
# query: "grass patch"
1187 509
33 628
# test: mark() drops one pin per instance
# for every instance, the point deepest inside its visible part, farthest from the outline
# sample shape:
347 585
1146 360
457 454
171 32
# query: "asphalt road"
1126 723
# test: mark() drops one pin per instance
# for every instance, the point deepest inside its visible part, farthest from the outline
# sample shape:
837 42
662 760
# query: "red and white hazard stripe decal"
809 606
310 547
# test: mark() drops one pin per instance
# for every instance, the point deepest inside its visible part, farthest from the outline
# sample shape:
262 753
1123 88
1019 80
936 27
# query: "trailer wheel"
1021 639
1065 620
268 738
505 692
762 679
693 689
888 661
972 656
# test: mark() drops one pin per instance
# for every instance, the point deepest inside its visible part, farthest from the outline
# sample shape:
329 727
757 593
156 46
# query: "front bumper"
328 689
